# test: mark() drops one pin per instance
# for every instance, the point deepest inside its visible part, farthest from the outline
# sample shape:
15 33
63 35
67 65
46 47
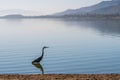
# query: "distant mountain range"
104 7
102 10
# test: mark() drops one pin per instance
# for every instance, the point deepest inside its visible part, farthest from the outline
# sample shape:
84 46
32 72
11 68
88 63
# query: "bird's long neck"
42 52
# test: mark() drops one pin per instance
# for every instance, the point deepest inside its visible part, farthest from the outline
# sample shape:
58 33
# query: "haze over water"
76 46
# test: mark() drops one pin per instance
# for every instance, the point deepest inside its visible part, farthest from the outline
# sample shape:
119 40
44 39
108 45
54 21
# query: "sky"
46 6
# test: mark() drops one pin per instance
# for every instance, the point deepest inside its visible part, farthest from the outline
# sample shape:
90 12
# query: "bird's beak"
47 47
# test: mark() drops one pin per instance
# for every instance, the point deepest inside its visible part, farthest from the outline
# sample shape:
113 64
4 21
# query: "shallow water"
76 46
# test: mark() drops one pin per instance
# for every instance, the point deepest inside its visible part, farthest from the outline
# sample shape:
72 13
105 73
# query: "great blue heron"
36 61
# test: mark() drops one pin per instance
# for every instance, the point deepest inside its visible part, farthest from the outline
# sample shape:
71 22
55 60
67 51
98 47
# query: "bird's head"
45 47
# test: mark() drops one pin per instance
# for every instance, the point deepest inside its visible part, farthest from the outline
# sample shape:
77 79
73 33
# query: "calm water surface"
76 46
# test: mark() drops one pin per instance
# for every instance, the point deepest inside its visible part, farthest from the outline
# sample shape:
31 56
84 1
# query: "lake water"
76 46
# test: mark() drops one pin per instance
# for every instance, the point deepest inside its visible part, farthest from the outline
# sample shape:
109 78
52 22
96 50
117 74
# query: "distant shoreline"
60 77
87 17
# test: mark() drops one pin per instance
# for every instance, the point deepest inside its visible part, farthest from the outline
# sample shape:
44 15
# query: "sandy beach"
60 77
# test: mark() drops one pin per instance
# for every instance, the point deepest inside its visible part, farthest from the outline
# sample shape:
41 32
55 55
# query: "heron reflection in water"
39 66
36 62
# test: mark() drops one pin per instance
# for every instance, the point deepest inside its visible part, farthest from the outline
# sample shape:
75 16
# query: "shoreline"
82 17
59 76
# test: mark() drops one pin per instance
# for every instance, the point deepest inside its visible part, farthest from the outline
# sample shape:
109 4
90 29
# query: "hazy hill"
18 11
13 16
108 10
91 9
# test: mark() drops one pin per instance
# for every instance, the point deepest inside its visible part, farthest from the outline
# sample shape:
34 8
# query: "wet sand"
60 77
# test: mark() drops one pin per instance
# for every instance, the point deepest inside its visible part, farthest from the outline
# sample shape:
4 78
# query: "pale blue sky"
46 6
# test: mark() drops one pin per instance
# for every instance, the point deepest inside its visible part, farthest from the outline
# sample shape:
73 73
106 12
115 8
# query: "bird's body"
39 58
